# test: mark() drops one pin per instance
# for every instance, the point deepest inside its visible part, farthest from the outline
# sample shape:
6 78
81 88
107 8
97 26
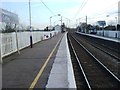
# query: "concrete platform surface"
19 70
62 75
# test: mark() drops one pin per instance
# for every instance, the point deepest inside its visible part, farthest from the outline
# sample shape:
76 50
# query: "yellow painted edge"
43 67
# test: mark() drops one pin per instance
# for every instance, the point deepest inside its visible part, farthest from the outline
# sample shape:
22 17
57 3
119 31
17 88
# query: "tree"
8 28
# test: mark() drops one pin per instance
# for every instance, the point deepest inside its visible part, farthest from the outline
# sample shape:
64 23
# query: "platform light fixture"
53 16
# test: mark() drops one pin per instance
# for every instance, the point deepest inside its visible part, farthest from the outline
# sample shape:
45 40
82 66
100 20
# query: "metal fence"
9 42
109 33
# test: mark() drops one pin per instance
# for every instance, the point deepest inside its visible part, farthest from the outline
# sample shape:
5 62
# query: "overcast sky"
75 10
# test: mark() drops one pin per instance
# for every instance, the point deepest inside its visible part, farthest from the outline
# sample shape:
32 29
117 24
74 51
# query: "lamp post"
116 28
53 16
116 23
50 21
115 20
61 20
77 22
31 42
67 21
107 16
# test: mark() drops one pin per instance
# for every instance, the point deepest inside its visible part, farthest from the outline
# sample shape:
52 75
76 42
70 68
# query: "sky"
73 10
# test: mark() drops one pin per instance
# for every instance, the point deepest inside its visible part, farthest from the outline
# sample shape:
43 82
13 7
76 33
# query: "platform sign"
101 23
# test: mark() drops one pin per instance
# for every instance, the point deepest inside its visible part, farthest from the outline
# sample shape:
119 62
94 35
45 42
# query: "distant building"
8 18
57 28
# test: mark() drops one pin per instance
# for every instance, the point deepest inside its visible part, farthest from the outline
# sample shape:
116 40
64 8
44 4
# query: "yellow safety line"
43 67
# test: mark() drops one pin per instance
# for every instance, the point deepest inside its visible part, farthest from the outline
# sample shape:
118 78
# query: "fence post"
17 40
116 35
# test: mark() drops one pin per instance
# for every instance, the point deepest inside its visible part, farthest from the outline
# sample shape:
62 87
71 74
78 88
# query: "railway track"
94 73
108 57
105 48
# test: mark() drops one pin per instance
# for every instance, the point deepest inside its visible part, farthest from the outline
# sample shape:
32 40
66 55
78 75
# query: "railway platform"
46 65
102 37
61 75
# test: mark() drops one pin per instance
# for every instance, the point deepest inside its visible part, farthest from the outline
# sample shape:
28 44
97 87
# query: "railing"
109 33
9 45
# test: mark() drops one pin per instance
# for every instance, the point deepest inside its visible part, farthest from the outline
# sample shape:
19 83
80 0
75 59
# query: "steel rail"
97 60
114 56
88 84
